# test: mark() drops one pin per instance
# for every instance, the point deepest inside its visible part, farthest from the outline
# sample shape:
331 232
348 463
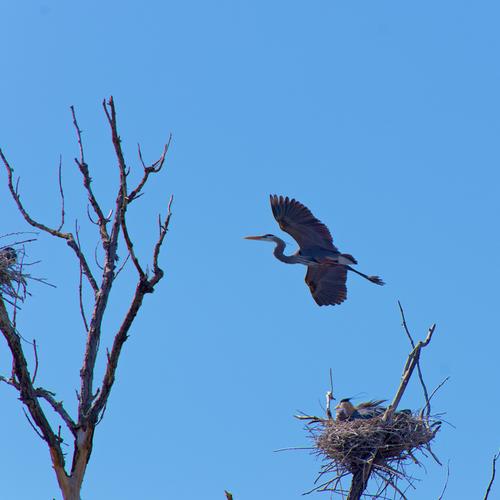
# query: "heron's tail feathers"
377 280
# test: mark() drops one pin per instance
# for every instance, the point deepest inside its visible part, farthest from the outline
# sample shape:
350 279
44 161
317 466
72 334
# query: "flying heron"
326 266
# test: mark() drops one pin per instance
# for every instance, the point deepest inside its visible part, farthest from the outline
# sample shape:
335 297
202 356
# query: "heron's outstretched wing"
327 284
298 221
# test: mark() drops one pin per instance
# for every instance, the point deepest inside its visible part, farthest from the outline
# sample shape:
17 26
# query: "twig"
61 192
163 232
154 168
325 486
392 484
16 297
446 481
80 286
36 362
329 397
33 425
96 259
432 395
493 472
122 266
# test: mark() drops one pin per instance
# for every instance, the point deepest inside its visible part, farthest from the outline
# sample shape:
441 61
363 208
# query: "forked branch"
70 240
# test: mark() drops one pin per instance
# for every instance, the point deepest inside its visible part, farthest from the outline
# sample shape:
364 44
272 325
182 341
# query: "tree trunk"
358 484
71 485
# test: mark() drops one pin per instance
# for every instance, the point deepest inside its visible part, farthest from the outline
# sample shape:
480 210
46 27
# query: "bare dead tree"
113 235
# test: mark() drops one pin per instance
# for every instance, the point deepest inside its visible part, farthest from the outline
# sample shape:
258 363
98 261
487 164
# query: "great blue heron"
326 266
8 256
345 410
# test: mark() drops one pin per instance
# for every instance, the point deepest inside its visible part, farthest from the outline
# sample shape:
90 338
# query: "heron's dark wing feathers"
298 221
327 284
370 409
371 404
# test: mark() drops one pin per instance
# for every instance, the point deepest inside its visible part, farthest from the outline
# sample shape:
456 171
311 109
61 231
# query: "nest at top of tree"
12 278
350 446
351 443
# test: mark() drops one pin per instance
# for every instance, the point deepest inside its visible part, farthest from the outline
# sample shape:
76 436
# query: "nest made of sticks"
353 442
12 276
350 446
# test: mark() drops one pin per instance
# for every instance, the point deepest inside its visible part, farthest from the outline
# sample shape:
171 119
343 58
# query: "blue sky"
382 117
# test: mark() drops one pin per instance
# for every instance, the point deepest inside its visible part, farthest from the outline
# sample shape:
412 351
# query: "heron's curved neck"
279 252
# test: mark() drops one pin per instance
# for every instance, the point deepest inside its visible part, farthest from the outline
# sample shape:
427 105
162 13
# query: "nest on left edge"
12 277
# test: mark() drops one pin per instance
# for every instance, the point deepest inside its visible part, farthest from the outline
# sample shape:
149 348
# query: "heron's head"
344 409
8 255
264 237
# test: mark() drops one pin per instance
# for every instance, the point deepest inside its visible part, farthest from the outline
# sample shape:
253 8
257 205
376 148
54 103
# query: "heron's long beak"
253 237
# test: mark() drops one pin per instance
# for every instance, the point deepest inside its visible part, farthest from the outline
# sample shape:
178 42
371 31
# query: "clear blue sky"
382 117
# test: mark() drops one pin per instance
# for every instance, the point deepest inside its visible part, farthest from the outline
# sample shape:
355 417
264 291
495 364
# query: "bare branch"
446 481
27 392
329 397
61 192
154 168
17 198
66 236
87 181
36 362
48 396
80 284
427 405
33 425
122 266
493 473
96 259
158 273
58 407
419 371
407 372
130 247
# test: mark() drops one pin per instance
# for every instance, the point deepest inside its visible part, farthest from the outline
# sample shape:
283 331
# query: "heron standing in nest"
326 267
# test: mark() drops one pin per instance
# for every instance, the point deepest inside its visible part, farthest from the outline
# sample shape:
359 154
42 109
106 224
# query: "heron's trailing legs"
374 279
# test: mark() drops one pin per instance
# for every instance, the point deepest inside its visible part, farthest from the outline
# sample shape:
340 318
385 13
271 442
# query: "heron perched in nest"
345 410
8 256
326 267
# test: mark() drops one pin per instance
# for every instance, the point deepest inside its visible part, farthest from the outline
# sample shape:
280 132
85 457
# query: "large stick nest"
12 278
352 443
384 448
